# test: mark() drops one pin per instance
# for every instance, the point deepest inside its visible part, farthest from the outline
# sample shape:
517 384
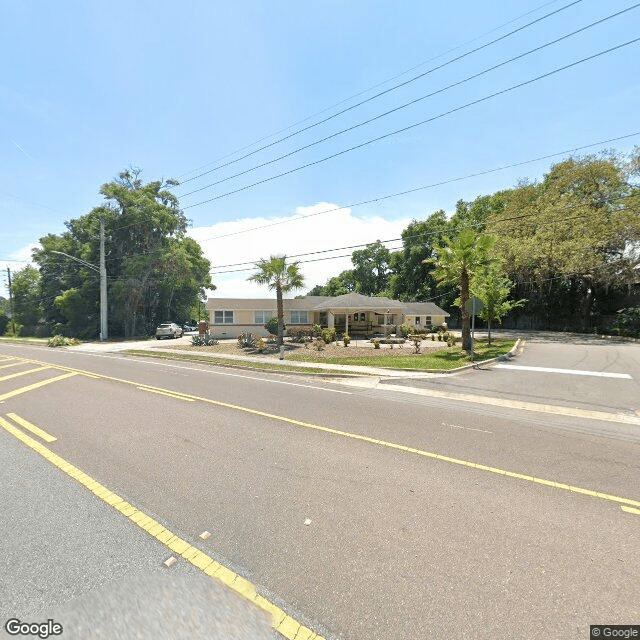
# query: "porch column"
330 319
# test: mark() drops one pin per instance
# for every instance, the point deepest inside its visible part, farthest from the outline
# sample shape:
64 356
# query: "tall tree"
281 277
155 271
411 279
371 268
27 309
457 262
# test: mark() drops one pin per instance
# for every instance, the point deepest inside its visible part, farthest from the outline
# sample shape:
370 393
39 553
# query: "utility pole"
13 320
103 286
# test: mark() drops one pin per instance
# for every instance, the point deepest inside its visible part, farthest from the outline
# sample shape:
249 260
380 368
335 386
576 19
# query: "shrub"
272 325
439 336
405 329
329 334
628 322
317 330
416 344
300 335
247 340
61 341
376 343
203 341
433 337
261 345
318 344
4 321
346 339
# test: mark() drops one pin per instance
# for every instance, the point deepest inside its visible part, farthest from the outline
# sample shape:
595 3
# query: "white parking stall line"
575 372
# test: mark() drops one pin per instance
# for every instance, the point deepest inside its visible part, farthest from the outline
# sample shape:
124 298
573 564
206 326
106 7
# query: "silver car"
168 330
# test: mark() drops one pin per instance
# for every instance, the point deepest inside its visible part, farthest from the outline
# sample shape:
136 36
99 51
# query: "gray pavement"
354 538
69 557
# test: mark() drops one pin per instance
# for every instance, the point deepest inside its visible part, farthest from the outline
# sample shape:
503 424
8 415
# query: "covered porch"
355 314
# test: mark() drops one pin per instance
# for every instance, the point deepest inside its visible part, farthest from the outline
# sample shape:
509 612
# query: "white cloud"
316 232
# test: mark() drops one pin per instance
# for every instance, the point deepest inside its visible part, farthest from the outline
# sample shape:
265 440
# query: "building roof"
357 301
423 309
347 302
263 304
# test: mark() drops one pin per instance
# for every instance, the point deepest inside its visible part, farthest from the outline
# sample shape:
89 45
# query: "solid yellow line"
281 621
23 373
631 510
166 393
31 427
36 385
390 445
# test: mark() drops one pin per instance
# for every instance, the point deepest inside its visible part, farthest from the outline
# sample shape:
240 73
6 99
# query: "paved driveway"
557 368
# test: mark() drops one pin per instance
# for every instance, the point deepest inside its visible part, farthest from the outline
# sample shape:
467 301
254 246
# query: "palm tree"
457 261
282 277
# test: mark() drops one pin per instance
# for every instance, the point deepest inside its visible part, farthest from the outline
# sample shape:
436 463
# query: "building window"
262 317
299 317
363 317
417 320
223 317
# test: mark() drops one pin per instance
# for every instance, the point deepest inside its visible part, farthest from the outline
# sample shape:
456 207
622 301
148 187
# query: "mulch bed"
332 350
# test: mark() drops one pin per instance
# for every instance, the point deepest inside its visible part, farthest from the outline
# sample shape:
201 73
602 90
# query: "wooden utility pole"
13 320
103 286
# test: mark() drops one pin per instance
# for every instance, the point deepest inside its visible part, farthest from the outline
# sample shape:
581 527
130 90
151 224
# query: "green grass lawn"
10 338
443 360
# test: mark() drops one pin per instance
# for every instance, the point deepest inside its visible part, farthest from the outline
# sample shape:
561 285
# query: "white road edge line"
217 373
575 372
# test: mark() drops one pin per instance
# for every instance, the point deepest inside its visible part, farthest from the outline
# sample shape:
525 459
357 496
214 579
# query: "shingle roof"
357 301
423 309
263 304
346 302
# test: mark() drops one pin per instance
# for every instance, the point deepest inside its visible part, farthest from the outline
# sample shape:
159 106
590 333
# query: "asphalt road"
361 512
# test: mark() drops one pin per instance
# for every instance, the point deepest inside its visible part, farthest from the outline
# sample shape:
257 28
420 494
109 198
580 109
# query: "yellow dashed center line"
31 427
281 621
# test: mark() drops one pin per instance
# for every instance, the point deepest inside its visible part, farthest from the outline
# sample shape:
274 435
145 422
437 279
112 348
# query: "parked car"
189 327
169 330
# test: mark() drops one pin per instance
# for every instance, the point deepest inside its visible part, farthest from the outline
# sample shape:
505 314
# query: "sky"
90 88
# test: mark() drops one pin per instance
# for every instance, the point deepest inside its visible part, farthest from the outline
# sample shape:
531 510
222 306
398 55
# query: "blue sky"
89 88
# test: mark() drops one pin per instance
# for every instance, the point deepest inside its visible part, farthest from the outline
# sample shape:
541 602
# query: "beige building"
352 312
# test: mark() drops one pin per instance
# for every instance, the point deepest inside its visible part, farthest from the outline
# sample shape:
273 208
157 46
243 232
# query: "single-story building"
352 312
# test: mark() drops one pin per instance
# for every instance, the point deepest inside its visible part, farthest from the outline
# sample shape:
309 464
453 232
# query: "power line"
424 187
411 102
417 235
356 95
418 124
381 93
